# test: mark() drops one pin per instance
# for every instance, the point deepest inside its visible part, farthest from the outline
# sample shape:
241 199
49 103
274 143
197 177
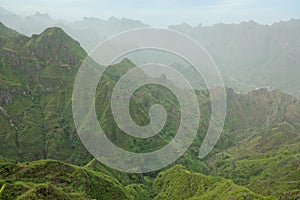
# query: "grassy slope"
52 179
179 183
266 161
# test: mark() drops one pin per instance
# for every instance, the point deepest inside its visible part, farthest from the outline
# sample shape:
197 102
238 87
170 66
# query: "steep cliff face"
259 108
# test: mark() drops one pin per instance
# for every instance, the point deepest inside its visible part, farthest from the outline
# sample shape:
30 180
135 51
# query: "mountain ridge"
37 124
249 55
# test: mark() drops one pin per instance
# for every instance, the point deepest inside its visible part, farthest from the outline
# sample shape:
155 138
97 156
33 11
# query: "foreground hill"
179 183
50 179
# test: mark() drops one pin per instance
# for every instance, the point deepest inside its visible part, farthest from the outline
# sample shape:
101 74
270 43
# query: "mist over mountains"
249 55
252 56
89 31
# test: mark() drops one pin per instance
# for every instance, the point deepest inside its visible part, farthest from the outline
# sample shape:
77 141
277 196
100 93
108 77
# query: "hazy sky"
163 12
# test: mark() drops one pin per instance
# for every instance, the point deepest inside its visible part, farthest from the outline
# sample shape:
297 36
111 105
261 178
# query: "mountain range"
249 55
257 156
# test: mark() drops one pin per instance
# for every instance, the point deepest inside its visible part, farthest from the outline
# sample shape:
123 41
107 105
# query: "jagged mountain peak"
56 46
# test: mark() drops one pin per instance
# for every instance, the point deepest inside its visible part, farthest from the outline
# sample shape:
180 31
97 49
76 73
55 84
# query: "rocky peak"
56 47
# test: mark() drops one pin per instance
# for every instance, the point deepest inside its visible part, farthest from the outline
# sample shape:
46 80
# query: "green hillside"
179 183
266 161
49 179
256 157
